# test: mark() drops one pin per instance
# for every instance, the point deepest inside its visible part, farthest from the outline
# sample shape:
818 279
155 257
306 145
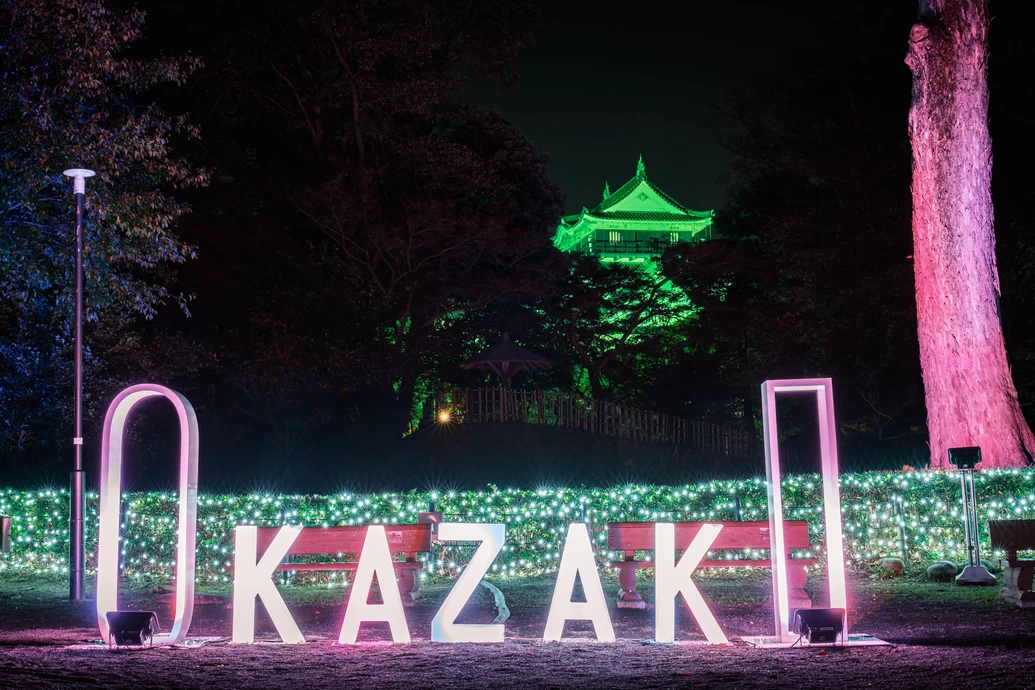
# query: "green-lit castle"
633 225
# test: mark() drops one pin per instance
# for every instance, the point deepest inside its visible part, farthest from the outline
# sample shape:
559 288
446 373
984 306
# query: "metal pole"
900 522
76 549
975 531
966 517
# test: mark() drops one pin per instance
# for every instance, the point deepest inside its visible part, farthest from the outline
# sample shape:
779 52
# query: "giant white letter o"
111 498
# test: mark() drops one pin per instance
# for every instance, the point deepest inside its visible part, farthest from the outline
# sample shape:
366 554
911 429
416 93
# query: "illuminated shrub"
536 519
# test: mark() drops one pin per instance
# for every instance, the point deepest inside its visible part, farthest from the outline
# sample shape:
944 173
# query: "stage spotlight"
966 458
819 626
131 627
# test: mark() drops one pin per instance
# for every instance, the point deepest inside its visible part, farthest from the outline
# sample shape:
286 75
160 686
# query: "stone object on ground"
942 571
892 566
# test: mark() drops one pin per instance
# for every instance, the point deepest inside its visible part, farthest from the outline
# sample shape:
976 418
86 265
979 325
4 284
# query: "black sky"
604 83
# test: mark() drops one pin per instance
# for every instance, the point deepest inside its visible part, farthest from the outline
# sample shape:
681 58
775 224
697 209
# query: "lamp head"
79 175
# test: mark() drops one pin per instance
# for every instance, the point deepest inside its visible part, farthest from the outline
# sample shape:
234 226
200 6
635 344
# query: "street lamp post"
76 550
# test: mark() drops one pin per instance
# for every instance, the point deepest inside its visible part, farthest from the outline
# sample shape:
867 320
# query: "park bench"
339 541
630 537
1012 536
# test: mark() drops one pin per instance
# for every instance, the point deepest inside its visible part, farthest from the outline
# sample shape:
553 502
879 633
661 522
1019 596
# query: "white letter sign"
253 579
673 579
577 559
111 499
443 627
375 559
834 537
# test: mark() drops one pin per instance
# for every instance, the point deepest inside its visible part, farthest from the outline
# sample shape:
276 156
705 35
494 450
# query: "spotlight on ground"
132 627
443 417
819 626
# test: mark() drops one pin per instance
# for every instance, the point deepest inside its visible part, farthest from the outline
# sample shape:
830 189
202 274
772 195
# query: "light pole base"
976 575
76 548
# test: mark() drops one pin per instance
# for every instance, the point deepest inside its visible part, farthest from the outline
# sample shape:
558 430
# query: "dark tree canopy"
812 276
71 98
411 209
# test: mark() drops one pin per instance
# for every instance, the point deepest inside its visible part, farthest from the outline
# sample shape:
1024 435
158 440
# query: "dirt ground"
942 635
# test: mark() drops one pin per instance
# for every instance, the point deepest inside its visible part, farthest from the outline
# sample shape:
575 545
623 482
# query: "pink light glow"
111 498
824 391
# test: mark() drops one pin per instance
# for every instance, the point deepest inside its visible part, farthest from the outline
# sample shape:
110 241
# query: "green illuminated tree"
71 98
607 316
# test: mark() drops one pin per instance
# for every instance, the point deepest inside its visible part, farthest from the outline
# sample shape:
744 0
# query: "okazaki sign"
253 580
253 572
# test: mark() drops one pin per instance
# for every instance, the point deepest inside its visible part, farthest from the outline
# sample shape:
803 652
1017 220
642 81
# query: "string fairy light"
536 520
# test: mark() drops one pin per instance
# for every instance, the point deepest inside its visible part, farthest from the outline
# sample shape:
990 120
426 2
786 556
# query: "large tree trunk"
971 398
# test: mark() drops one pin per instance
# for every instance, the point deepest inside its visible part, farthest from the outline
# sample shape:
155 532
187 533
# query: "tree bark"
971 397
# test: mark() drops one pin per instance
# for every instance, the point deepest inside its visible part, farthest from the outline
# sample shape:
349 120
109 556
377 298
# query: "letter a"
253 579
375 559
673 579
577 559
443 625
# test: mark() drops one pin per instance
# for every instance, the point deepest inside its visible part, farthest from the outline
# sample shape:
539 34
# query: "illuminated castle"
634 225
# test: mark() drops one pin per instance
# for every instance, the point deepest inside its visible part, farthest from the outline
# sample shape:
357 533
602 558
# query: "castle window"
673 237
614 236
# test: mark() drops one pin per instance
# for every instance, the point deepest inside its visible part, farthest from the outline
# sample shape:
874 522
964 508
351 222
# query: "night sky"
605 83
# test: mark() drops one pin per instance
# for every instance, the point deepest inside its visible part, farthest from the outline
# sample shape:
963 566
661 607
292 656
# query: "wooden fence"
568 411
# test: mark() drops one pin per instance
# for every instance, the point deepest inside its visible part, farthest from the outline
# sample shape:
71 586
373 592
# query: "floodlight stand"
973 573
76 550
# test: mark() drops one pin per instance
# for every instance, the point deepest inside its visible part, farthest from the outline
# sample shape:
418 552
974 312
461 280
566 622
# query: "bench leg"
1018 581
797 597
409 586
628 597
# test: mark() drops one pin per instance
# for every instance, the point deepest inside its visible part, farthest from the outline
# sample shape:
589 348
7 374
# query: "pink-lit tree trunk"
971 398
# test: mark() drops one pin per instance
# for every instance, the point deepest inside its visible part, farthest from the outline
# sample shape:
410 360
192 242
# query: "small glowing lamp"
443 417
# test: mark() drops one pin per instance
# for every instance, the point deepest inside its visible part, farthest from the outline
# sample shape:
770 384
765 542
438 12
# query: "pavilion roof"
638 200
648 215
509 353
668 210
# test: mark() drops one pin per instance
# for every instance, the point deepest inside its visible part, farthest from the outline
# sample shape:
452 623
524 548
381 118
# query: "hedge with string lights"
536 520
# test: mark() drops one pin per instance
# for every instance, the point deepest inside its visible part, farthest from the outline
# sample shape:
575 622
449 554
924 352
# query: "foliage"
609 319
536 519
812 274
434 209
71 98
1010 106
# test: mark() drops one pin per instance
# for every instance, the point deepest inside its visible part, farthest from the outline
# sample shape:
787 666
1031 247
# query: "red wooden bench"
630 537
339 541
1012 536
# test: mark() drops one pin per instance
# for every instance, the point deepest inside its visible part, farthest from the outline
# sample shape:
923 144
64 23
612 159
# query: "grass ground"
942 635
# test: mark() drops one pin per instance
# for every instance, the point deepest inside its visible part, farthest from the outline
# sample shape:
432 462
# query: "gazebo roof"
509 353
506 359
